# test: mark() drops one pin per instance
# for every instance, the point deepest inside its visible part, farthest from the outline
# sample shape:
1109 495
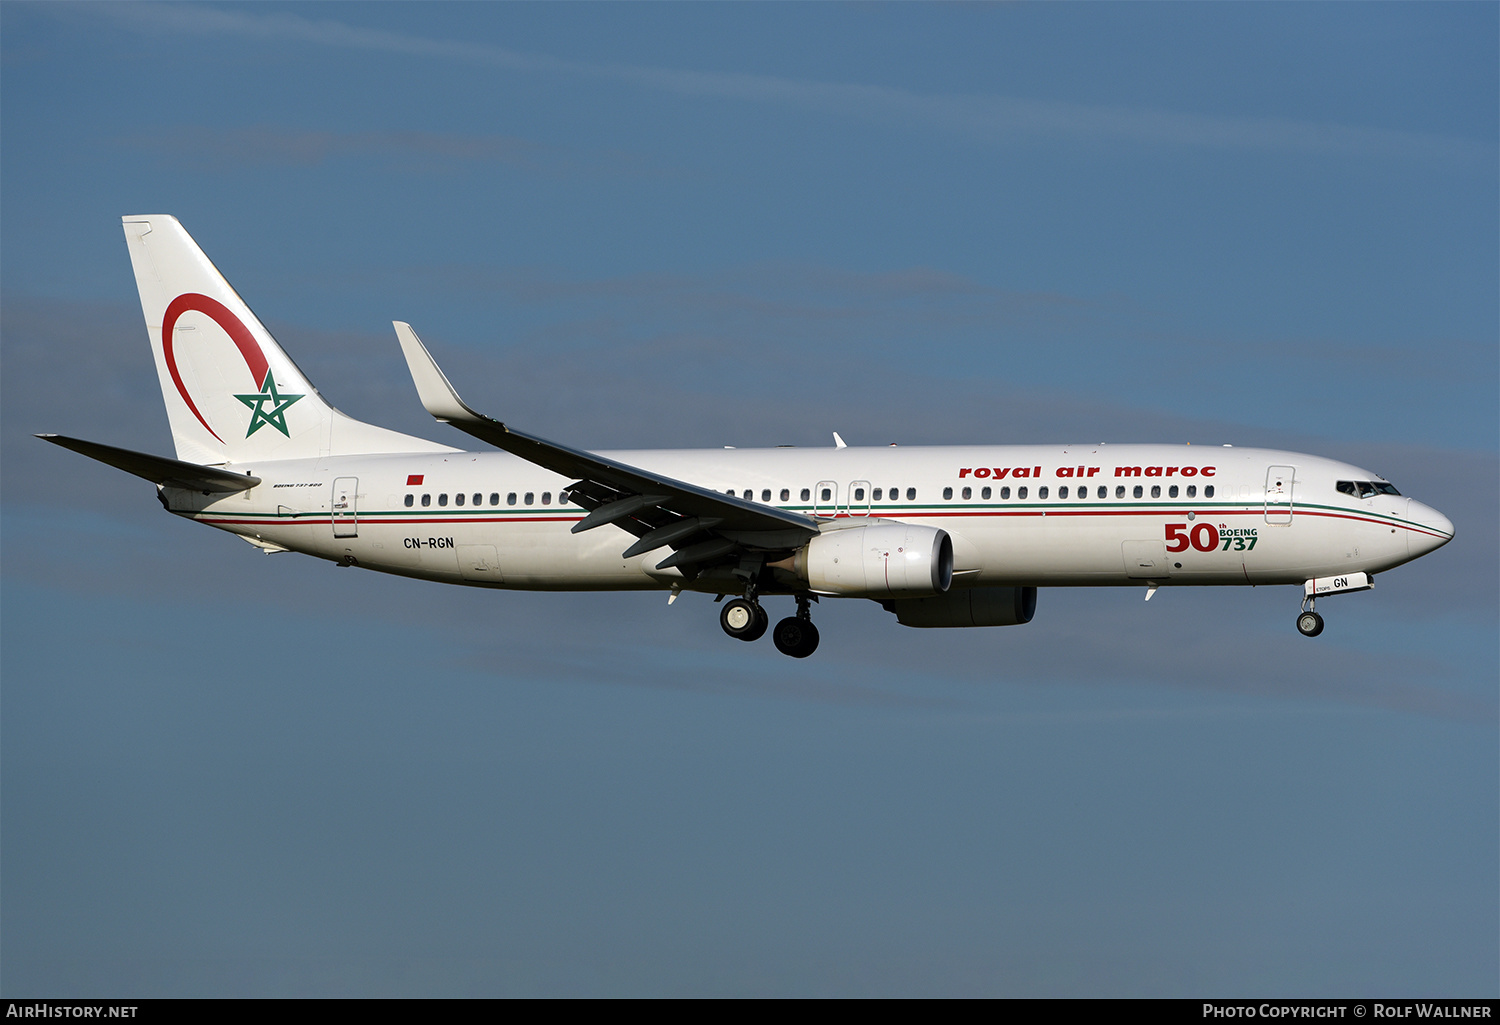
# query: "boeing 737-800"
940 536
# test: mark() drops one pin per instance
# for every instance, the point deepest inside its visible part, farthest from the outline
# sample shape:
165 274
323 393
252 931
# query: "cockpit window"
1366 488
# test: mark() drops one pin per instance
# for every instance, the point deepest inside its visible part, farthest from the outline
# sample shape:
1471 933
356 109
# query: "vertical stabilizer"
232 394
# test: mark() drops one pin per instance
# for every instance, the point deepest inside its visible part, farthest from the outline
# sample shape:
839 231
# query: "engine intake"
978 606
886 560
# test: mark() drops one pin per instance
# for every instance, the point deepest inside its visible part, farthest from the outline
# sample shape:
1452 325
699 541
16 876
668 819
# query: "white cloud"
984 118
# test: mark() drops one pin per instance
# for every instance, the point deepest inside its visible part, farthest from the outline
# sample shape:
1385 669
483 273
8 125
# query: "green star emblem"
260 415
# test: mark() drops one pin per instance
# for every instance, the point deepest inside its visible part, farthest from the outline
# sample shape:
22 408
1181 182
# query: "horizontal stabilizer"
170 473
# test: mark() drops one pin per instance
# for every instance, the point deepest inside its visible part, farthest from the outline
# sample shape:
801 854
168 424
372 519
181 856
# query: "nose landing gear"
1309 623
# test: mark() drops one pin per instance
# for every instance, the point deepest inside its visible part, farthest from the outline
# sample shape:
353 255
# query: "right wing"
702 526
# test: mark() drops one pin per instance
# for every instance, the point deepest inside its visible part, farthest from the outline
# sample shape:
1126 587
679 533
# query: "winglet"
433 388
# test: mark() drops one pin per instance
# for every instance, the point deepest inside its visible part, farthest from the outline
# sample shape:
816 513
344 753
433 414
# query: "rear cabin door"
345 515
1279 481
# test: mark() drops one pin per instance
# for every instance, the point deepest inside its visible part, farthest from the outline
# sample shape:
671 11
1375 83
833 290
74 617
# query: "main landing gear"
1309 623
744 619
795 635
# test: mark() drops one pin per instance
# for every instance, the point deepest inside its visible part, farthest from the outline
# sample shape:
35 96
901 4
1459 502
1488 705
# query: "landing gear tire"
743 620
795 637
1309 624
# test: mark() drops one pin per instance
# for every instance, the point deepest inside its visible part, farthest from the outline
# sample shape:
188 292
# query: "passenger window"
895 494
426 500
1208 491
947 493
1120 491
1103 491
748 495
786 494
875 495
765 494
1172 491
530 497
984 493
1062 492
911 494
409 501
1021 493
968 494
478 499
443 498
1005 493
510 499
1041 492
859 494
1139 491
806 494
494 498
546 498
1156 491
827 495
458 499
1192 491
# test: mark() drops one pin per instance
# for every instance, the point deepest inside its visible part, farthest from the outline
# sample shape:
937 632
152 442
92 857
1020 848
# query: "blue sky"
623 225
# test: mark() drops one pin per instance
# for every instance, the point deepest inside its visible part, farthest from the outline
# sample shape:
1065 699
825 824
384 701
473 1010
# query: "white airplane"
939 536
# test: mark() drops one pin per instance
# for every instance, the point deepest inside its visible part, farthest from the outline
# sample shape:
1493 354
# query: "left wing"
702 526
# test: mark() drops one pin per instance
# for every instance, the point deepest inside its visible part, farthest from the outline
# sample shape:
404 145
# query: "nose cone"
1430 529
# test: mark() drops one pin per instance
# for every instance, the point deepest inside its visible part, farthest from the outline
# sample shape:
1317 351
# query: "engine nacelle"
885 560
977 606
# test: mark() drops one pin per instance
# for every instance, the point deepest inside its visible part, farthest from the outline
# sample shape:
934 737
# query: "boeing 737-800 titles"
941 536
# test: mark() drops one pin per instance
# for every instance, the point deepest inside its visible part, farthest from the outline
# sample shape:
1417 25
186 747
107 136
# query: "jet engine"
978 606
885 560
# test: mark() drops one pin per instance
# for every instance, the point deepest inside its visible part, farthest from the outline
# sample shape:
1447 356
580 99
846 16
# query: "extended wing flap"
620 480
171 473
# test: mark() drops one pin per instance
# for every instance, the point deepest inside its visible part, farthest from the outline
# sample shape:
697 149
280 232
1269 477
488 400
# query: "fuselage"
1035 515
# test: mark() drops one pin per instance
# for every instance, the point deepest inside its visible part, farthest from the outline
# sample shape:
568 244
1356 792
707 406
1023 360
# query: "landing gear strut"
795 635
1309 623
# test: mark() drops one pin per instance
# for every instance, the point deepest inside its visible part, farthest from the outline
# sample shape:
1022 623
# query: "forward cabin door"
345 515
1279 481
